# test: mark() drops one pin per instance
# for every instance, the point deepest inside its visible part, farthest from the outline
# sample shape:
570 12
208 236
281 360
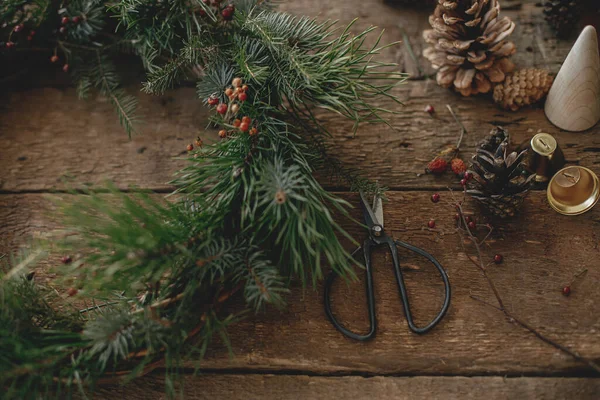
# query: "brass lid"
544 144
573 190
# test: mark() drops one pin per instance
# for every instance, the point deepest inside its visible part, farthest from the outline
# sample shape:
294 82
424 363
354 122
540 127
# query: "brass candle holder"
545 157
573 190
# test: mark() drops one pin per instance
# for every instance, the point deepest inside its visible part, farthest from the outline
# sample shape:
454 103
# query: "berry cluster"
16 31
65 21
237 95
439 165
226 11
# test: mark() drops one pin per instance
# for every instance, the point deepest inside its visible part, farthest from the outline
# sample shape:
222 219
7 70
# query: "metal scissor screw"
377 230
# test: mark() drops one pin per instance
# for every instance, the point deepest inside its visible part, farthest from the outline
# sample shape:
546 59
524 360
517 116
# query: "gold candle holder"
573 190
545 157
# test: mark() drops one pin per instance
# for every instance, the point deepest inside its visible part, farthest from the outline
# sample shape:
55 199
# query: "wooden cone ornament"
573 103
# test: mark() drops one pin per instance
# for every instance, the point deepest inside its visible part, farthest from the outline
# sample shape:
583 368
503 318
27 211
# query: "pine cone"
523 88
469 42
563 15
499 183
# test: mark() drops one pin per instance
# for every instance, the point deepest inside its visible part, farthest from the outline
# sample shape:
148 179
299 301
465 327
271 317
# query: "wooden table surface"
50 140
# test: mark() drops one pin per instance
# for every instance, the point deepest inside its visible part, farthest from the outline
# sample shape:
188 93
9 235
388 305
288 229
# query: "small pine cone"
458 166
437 166
523 88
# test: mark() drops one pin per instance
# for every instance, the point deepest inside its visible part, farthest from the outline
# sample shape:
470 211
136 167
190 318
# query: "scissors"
377 237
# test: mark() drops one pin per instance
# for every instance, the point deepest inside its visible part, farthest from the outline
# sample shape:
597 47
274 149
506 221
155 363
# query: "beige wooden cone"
573 103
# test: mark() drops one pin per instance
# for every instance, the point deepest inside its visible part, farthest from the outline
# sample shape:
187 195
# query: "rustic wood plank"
234 387
542 250
45 152
64 138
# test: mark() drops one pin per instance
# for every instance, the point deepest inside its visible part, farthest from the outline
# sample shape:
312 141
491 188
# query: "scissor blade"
370 216
378 209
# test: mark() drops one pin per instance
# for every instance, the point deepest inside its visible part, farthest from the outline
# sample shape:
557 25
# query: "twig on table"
478 262
463 130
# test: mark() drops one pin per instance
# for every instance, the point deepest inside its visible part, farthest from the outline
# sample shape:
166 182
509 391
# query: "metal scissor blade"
378 209
372 217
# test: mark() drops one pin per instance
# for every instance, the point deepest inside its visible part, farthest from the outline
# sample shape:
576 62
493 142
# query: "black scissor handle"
366 250
402 286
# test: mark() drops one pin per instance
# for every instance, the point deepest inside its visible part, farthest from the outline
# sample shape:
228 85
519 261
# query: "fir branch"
248 214
124 104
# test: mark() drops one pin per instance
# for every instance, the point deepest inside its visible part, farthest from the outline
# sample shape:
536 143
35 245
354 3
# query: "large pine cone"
469 45
523 88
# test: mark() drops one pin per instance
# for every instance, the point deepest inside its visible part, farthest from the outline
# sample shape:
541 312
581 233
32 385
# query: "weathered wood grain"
542 250
80 142
235 387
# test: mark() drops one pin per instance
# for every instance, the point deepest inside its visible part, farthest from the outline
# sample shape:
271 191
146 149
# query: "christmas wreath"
248 216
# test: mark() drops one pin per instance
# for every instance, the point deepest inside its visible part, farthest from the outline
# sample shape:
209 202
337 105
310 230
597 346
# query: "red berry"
566 290
190 147
76 20
72 291
463 182
247 119
429 109
498 258
66 68
437 166
62 29
244 127
18 28
30 38
472 225
245 88
228 92
435 197
64 20
10 45
54 58
458 166
227 13
253 132
468 175
242 96
198 142
66 259
222 108
237 123
32 33
222 133
431 224
212 101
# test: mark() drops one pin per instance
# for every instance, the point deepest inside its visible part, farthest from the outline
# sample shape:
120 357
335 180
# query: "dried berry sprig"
449 156
566 290
463 230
